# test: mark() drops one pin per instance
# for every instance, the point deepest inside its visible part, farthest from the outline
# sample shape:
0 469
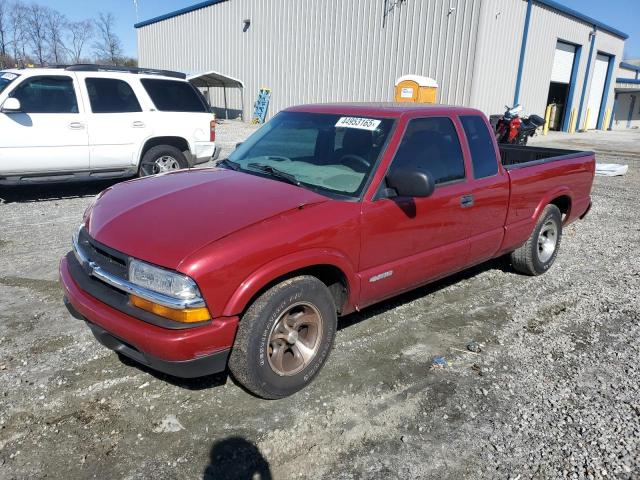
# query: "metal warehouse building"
482 53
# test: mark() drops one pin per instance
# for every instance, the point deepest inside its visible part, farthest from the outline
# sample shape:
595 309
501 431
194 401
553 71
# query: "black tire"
251 357
535 258
154 154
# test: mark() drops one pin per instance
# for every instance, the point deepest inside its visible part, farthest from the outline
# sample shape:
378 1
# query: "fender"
561 191
289 263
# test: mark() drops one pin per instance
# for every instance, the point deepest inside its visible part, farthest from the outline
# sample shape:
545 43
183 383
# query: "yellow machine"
416 88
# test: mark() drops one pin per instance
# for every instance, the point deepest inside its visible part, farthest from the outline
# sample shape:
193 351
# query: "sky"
621 14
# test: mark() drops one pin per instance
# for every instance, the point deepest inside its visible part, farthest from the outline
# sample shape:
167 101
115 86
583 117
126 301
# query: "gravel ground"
554 391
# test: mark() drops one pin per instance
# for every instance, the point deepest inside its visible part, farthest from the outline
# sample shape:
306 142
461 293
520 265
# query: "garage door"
563 63
596 93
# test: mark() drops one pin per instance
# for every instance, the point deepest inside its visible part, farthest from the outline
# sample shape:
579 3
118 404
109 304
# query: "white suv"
86 121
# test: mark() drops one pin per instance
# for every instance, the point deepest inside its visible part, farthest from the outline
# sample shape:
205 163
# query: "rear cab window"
174 96
433 144
111 95
483 154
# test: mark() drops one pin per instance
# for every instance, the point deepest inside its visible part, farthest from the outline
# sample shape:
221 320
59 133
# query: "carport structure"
218 80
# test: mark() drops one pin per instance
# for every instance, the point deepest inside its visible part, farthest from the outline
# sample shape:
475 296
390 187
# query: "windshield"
5 79
331 154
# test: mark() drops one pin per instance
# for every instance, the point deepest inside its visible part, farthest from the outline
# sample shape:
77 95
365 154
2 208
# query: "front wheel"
537 255
162 159
284 338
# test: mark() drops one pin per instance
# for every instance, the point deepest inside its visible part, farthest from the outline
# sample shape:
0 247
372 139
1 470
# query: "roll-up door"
596 92
563 63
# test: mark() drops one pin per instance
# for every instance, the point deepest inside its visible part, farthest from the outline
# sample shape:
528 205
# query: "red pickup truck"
324 210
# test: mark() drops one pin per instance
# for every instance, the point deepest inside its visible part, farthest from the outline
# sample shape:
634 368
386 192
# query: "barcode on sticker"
356 122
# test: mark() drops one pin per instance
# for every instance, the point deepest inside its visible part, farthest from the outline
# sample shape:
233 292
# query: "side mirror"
11 105
411 182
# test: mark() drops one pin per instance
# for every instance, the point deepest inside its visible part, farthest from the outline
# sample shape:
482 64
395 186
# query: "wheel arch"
561 197
178 142
333 269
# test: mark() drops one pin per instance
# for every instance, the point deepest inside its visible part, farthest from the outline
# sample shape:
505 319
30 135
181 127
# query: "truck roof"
383 109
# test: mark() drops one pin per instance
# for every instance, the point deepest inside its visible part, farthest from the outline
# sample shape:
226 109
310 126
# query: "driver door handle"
76 126
137 124
466 201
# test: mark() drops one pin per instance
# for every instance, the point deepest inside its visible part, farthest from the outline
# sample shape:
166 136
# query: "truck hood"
165 218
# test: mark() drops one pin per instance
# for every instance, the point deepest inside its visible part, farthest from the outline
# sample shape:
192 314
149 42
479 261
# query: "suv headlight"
162 281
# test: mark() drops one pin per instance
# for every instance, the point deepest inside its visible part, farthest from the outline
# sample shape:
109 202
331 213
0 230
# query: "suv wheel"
537 255
284 338
161 159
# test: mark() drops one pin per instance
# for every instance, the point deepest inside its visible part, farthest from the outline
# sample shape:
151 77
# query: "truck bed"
519 156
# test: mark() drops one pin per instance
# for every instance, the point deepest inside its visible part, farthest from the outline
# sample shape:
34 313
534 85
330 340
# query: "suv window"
174 96
483 155
110 95
47 94
5 79
433 143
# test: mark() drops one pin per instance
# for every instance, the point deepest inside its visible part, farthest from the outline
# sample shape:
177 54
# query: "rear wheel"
161 159
284 338
537 255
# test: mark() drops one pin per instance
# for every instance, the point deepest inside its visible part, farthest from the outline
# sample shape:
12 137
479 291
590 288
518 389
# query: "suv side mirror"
411 182
11 105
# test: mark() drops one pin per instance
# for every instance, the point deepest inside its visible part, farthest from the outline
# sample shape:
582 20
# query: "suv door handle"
466 201
76 126
137 124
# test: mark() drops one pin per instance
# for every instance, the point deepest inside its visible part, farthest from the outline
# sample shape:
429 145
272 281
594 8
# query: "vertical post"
226 108
586 120
572 121
607 114
611 66
613 110
523 48
572 88
586 74
547 119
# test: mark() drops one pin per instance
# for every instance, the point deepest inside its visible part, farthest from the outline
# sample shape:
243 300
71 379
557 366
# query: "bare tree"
36 30
4 33
107 48
78 35
55 25
17 16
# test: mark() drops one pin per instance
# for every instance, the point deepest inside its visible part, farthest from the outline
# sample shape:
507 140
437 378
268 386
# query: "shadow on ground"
235 458
53 191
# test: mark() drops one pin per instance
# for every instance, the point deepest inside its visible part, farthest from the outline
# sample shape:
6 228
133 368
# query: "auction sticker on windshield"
8 76
360 123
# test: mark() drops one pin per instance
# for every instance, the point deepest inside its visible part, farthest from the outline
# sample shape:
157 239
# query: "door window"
47 94
483 155
110 95
433 144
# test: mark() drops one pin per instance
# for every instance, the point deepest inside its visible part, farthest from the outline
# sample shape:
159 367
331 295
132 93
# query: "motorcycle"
513 129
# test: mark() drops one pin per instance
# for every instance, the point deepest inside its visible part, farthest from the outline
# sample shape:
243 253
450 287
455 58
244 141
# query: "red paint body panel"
234 233
172 345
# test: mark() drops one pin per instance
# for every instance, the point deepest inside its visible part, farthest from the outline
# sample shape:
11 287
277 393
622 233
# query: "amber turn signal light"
187 315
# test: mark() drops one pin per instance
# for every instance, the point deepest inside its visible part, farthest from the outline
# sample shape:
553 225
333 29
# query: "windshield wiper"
274 172
230 164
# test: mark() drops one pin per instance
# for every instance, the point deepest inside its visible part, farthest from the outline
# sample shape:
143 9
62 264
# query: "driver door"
49 133
406 241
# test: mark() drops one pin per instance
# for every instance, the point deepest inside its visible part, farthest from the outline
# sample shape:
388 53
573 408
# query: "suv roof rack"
109 68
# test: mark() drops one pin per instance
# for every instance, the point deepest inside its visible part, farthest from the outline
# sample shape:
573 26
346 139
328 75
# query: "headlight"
162 281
